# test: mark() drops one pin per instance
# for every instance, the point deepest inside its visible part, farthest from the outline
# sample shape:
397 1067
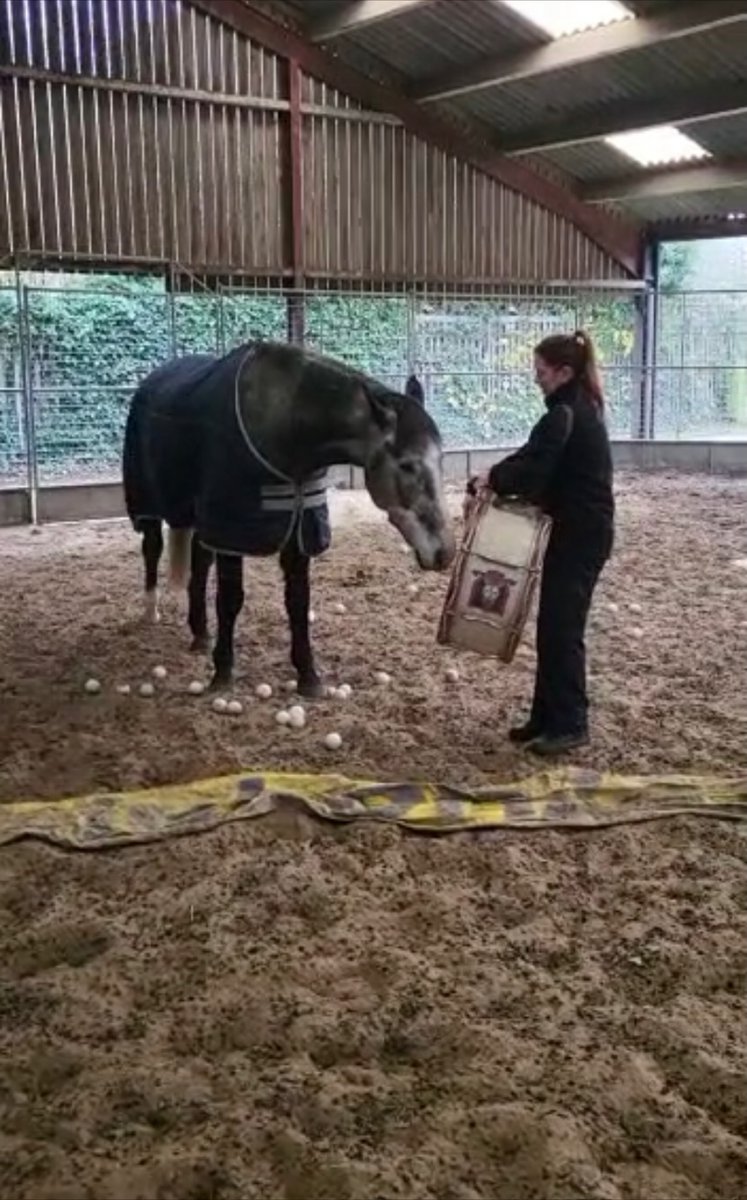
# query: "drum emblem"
490 591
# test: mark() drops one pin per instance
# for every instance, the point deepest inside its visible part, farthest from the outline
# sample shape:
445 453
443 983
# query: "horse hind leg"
152 548
202 560
229 600
296 570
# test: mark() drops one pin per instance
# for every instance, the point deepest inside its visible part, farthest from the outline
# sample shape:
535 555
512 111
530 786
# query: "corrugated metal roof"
693 204
442 35
717 57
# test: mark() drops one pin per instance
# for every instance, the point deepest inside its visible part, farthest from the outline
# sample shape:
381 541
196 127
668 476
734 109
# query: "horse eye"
408 467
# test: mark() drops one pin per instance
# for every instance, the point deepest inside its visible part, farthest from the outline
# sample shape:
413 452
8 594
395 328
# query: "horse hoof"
311 689
220 682
199 645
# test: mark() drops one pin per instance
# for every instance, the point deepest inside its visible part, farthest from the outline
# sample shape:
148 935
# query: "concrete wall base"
97 501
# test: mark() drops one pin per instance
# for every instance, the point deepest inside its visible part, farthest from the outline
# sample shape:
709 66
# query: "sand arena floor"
285 1010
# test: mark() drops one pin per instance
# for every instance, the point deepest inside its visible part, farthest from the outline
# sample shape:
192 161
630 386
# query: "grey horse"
231 453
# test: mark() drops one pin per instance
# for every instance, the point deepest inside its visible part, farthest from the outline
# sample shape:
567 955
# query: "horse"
231 453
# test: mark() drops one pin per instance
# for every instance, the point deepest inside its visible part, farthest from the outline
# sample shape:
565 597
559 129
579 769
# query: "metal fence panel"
72 354
700 387
14 448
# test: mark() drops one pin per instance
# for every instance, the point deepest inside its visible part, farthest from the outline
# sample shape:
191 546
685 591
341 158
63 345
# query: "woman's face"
550 378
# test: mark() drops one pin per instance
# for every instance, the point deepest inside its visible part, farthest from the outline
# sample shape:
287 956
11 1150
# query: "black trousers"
571 569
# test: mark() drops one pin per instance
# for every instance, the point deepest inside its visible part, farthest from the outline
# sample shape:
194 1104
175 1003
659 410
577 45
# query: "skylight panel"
659 146
559 18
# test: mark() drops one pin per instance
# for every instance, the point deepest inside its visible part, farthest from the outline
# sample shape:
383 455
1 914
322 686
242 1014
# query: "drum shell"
494 578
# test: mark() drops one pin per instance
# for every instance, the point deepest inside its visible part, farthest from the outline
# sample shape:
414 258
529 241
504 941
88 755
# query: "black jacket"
565 466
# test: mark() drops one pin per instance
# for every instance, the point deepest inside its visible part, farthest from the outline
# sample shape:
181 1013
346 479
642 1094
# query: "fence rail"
72 354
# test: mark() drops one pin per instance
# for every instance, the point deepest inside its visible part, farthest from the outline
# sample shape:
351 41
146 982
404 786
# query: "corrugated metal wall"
145 130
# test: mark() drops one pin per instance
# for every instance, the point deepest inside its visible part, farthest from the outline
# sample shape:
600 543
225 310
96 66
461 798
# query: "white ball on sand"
452 675
340 609
636 608
344 691
291 685
312 616
636 632
332 692
196 688
296 717
123 689
220 705
159 672
333 741
382 678
264 691
147 689
613 608
413 589
92 686
234 707
282 717
739 563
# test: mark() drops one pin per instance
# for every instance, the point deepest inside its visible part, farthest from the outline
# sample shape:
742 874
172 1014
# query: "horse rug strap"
200 468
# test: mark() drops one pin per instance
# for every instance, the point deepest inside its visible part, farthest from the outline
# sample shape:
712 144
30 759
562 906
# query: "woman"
566 468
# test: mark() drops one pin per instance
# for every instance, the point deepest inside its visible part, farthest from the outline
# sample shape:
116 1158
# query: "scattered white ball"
282 717
344 691
159 672
413 589
333 741
296 717
332 692
92 686
264 691
196 688
234 707
636 632
452 674
220 705
291 685
636 608
613 608
382 678
147 689
739 563
339 608
123 689
312 616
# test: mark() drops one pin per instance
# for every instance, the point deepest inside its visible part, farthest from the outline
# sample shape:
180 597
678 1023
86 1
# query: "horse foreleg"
152 548
228 603
295 568
202 560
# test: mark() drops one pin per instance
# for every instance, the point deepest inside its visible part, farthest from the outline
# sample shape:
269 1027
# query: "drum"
494 578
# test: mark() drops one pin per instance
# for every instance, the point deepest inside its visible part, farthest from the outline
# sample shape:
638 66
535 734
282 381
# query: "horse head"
404 476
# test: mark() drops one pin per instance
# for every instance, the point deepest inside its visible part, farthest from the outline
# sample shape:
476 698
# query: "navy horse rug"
189 460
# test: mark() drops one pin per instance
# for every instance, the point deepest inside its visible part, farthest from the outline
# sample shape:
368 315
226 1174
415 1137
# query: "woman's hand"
476 488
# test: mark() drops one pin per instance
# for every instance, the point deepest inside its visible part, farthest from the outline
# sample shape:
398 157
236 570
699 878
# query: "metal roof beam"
618 238
359 14
704 104
608 41
677 181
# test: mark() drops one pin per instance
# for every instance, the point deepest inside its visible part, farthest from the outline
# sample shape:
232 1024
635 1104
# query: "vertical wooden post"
295 297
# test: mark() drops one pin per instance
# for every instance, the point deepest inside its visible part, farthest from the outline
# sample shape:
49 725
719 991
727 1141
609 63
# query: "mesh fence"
85 344
701 365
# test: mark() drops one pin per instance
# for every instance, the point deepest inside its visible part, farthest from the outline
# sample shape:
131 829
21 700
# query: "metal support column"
650 326
32 455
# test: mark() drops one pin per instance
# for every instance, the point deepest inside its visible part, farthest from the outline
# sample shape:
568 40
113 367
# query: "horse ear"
414 389
384 414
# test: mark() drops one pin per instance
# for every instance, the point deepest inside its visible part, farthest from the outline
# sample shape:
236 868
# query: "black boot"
521 735
549 745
